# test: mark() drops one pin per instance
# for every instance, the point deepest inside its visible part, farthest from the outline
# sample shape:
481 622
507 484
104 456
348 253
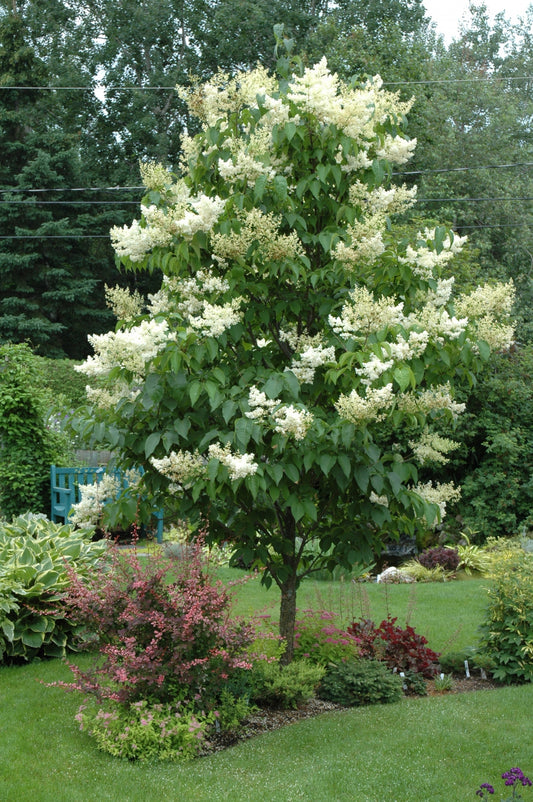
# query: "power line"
73 189
145 87
396 173
516 224
465 169
31 204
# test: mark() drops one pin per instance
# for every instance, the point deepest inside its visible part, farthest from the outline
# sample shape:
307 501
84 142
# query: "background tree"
285 381
49 282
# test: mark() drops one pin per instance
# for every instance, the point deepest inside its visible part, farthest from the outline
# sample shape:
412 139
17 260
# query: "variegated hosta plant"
285 380
35 557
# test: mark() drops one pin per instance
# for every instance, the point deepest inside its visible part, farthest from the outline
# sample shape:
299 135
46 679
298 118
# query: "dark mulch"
267 719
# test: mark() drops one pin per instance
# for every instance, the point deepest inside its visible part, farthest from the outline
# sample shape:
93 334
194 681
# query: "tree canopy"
285 380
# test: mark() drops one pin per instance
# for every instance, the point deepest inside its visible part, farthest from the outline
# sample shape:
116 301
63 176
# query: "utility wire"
516 224
32 204
411 172
145 87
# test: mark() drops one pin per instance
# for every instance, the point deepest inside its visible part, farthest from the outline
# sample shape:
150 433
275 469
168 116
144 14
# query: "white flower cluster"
363 315
366 242
401 350
216 318
88 511
212 100
184 216
238 465
439 494
259 229
306 363
373 369
381 200
424 260
127 348
183 468
287 419
375 499
155 176
126 305
484 306
438 323
353 111
431 447
396 149
434 399
292 422
260 406
442 294
371 407
192 291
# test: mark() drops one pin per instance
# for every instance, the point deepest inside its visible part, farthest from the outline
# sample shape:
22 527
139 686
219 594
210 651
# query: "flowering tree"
284 381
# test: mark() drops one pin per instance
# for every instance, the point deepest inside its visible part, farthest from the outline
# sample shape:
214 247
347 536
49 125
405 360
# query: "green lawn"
433 748
446 613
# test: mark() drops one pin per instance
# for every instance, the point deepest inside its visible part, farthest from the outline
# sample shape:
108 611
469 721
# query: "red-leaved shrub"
402 649
162 629
447 558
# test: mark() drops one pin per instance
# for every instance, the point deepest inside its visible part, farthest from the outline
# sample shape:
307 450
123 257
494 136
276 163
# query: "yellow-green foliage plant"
420 573
507 632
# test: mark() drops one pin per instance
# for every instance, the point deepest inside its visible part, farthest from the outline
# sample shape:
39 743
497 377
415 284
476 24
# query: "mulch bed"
267 720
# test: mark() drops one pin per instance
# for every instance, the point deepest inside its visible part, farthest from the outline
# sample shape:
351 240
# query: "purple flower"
515 776
484 787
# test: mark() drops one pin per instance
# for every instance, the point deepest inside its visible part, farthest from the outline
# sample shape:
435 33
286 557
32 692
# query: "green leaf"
195 388
259 188
275 470
362 477
290 128
152 441
33 639
292 472
484 349
327 461
273 386
402 377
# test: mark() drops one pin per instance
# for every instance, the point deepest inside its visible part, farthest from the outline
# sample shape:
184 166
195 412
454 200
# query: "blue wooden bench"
65 491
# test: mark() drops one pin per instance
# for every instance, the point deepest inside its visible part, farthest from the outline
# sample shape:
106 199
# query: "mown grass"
446 613
438 748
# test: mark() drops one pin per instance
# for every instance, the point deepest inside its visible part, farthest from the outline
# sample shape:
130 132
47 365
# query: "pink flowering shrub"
162 629
318 640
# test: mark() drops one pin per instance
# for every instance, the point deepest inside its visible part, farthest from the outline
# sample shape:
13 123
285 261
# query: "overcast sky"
447 13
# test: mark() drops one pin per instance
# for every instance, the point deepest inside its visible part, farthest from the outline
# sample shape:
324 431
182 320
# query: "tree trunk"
287 616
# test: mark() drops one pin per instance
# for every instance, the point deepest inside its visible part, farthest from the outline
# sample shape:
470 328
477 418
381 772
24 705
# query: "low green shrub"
507 630
360 682
35 558
454 662
273 685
